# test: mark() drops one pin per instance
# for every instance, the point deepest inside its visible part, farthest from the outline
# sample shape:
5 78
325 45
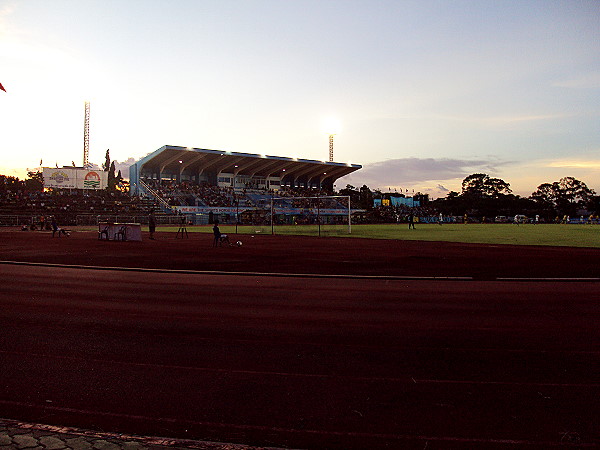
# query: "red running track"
302 362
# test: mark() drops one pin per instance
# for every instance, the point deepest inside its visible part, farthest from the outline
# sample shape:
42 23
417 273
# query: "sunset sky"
426 92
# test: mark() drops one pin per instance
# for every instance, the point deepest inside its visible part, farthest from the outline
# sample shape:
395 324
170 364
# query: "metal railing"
163 203
92 220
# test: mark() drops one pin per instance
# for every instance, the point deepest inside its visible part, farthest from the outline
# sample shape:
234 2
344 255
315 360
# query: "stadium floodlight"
331 126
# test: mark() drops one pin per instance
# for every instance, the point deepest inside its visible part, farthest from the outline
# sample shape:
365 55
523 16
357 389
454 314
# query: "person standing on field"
151 224
217 233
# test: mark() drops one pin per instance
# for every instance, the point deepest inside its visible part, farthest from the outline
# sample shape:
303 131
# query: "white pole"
349 218
272 227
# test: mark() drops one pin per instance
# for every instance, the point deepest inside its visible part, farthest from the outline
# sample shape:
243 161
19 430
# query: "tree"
352 192
480 185
366 197
106 165
10 184
35 182
594 204
545 196
112 178
483 195
574 190
563 197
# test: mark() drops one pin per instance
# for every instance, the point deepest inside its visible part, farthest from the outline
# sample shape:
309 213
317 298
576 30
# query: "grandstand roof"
177 160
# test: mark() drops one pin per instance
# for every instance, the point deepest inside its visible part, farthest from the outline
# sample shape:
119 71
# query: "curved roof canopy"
175 161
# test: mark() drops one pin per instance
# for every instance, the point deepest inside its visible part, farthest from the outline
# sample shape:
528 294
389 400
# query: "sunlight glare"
331 125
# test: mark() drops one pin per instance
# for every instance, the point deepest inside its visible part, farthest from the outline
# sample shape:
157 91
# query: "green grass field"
554 235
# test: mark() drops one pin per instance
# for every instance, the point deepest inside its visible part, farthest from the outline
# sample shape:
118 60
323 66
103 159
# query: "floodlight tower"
86 136
332 126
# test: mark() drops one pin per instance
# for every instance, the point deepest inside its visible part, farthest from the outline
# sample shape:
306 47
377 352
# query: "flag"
2 87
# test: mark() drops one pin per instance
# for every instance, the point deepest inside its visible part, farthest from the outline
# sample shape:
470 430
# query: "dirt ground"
305 255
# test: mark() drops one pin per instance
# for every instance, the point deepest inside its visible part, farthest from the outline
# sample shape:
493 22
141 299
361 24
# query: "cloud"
124 166
412 171
576 164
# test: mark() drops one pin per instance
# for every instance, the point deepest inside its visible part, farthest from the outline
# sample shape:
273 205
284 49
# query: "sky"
426 92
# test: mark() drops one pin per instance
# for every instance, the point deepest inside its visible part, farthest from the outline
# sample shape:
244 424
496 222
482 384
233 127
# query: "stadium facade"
234 170
245 185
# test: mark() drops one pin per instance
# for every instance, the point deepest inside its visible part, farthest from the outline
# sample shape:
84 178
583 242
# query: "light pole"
331 126
331 147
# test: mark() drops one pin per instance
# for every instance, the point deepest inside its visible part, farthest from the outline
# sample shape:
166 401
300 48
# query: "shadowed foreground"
297 362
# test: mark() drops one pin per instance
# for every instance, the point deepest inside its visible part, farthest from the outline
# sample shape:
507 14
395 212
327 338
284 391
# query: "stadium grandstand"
203 186
207 185
70 207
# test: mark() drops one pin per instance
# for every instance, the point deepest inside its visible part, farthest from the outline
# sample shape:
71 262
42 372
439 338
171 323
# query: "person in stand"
217 233
151 224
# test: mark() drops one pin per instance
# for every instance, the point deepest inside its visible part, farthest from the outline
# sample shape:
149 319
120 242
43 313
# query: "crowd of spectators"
63 200
68 204
189 193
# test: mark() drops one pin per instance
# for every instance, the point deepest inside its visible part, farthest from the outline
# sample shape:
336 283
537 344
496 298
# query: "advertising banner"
209 209
74 178
276 210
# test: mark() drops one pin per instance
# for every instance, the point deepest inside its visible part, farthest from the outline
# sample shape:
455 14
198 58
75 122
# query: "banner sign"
311 211
396 201
207 209
276 210
75 178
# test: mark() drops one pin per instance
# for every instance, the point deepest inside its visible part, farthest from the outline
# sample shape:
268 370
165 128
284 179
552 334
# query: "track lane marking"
309 275
407 380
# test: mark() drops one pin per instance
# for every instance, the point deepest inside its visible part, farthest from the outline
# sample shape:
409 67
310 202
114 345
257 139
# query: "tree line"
485 196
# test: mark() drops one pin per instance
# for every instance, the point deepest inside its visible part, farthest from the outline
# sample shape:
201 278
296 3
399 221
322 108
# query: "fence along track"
14 220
